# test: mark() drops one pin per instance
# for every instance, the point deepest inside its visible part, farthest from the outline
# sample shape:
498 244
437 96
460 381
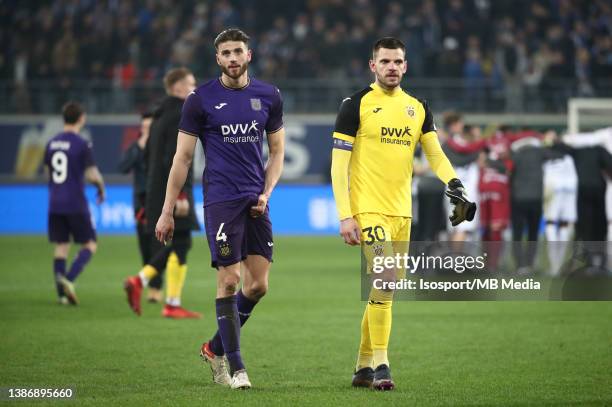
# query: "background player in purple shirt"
69 162
230 115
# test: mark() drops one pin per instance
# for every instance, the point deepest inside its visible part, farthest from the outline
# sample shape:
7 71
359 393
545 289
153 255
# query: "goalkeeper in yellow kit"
375 136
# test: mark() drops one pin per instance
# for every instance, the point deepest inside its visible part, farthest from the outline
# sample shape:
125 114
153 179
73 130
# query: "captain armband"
343 144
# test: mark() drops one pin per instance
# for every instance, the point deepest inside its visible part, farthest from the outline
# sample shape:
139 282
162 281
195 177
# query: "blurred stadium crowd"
532 53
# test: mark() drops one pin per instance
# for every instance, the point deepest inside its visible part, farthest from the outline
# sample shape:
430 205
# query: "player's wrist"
455 183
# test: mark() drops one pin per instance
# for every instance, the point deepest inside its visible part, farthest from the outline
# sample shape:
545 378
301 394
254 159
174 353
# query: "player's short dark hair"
389 43
174 75
72 112
231 34
451 118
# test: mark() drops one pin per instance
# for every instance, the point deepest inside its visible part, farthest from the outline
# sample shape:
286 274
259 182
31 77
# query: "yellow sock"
379 320
364 358
173 291
181 274
146 274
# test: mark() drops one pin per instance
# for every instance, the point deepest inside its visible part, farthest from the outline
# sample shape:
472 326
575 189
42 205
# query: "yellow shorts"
383 235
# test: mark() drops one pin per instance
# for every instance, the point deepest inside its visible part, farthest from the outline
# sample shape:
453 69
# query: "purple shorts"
233 234
77 225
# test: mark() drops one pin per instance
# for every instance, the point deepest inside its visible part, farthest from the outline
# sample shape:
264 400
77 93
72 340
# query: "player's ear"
217 58
249 55
372 64
405 68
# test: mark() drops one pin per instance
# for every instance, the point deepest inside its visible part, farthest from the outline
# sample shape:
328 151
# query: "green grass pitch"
300 343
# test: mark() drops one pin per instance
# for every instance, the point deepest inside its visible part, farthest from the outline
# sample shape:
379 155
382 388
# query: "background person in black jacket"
159 152
527 195
592 162
134 161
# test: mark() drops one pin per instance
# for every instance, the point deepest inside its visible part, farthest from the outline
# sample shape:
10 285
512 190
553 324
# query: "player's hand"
260 208
181 208
164 230
350 231
463 209
100 196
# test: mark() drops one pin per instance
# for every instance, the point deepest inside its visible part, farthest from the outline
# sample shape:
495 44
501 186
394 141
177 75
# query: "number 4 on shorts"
220 235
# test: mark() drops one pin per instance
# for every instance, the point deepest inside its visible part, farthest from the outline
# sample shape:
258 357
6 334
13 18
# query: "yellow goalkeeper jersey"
382 129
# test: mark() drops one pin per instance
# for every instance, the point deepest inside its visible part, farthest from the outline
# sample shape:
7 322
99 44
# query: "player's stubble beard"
242 70
385 83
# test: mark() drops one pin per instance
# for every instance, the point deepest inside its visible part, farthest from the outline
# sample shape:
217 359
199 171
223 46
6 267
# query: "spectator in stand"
565 45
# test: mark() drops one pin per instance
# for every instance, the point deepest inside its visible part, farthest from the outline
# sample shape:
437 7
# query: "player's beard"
389 83
241 71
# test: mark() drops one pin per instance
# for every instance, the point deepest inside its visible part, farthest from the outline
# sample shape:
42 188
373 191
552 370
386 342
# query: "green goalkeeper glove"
463 209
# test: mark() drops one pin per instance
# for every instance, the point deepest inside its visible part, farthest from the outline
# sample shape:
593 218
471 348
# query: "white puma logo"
220 105
270 244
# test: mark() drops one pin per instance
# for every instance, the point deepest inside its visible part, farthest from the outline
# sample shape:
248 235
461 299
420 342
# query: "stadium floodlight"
585 114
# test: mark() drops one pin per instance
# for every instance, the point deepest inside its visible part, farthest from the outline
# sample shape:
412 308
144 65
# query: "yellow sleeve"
437 159
340 182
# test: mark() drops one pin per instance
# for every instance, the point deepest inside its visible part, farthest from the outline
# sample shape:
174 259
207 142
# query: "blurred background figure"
592 162
603 138
465 165
430 210
560 199
159 154
494 204
593 166
133 161
69 164
527 192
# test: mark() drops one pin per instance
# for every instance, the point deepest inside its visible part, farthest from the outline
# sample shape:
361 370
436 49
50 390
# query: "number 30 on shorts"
374 234
221 236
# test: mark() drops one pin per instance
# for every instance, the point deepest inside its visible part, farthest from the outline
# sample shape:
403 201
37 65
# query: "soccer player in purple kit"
230 115
69 161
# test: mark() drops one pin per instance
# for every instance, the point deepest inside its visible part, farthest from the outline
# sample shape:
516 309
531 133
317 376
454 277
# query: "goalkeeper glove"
463 209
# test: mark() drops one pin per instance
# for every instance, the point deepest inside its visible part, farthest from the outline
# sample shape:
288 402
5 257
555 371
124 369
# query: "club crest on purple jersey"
256 104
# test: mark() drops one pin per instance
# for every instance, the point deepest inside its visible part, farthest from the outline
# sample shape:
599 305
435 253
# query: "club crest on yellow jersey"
410 111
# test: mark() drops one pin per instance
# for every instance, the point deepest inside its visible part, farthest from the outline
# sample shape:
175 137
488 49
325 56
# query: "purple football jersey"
230 124
67 156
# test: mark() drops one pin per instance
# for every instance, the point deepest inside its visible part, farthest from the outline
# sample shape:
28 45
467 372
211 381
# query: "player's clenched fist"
260 208
349 230
164 228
